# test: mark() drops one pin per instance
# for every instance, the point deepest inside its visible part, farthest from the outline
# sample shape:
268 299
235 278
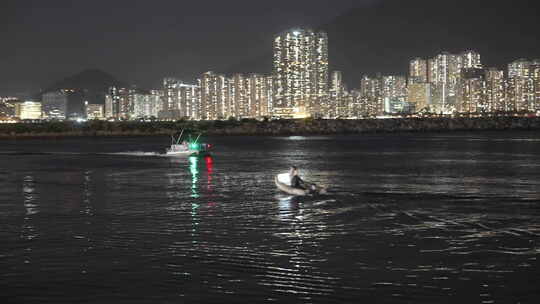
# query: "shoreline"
302 127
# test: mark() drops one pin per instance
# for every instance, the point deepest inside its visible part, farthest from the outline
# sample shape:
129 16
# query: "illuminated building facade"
419 95
267 100
335 105
170 93
520 94
188 99
64 104
418 70
28 110
7 107
519 68
255 89
371 94
444 74
471 89
394 94
239 97
343 105
535 74
355 105
54 105
300 71
178 99
496 91
215 97
521 86
146 105
469 60
117 103
94 111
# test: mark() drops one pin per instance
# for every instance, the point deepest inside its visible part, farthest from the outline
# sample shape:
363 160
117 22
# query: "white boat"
288 189
181 147
283 183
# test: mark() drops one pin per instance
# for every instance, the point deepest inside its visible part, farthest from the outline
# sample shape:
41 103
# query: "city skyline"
300 86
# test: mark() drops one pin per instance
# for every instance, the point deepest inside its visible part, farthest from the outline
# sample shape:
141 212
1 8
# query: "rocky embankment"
322 127
269 128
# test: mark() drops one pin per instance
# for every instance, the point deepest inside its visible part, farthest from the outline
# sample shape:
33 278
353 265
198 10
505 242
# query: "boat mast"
179 137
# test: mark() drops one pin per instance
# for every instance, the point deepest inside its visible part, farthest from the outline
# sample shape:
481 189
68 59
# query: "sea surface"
421 218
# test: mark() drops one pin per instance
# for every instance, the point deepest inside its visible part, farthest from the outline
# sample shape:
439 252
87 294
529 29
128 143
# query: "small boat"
279 180
181 147
288 189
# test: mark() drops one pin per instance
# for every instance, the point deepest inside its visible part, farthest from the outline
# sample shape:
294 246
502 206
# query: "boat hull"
180 153
288 189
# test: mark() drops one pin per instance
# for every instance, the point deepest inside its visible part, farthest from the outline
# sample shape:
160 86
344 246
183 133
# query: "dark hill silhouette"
92 83
91 79
382 38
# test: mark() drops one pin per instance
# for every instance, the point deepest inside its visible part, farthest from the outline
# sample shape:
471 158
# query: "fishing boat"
186 146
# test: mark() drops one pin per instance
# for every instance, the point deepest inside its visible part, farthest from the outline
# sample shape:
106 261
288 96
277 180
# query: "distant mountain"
92 79
92 84
383 37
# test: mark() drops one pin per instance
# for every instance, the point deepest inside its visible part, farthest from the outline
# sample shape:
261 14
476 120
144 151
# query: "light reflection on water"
409 219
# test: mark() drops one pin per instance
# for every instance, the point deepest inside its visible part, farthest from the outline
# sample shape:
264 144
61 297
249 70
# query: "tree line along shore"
266 128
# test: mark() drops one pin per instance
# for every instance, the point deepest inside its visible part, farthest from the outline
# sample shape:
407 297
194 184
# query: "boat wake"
136 153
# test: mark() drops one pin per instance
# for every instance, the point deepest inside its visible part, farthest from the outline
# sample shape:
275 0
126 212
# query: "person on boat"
299 183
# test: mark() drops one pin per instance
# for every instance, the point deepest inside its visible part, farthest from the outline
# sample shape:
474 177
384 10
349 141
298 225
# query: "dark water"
411 219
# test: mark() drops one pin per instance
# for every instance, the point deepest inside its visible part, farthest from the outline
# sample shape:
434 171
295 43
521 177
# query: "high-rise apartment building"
300 71
535 74
188 101
469 60
394 94
495 90
355 107
170 93
519 68
521 86
267 100
418 70
208 85
444 74
520 94
371 95
471 91
215 101
146 105
239 97
335 105
63 104
178 99
54 105
255 89
117 103
419 95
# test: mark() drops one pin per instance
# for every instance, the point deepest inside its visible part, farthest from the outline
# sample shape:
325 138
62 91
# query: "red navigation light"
209 165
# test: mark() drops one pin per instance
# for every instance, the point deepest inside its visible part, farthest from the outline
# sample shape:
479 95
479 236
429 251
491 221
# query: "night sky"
141 42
